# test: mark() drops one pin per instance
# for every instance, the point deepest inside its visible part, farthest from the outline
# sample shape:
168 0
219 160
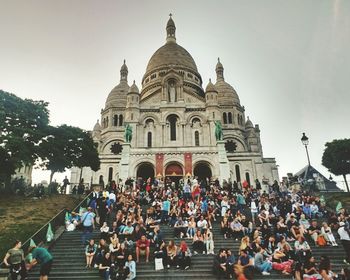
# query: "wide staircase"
69 259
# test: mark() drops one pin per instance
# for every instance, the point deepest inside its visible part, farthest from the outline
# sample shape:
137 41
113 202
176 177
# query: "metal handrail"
60 216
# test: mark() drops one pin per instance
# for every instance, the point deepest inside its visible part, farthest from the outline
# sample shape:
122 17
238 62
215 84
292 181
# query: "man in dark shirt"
220 267
105 266
42 256
314 230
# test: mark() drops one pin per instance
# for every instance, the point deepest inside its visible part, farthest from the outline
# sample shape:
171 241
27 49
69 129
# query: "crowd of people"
276 228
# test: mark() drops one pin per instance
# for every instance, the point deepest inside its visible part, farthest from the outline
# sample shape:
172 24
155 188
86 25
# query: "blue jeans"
265 266
86 234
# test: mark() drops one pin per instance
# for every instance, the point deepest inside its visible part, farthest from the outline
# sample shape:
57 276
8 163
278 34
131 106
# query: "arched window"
238 119
149 139
247 177
229 117
238 173
120 120
110 174
224 116
107 121
172 122
115 120
196 138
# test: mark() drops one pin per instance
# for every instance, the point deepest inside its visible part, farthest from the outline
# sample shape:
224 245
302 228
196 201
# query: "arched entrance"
202 171
174 172
145 171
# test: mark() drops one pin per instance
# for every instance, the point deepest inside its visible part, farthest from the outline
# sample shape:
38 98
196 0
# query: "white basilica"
173 126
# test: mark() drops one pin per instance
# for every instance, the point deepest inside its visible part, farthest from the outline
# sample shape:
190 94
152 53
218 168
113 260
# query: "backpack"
321 241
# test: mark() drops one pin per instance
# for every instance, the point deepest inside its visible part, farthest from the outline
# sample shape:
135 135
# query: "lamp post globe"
305 141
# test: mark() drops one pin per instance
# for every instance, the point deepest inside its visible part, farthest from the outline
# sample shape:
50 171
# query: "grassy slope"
21 217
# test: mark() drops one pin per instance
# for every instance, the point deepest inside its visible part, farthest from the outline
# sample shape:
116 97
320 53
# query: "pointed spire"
219 71
170 30
124 72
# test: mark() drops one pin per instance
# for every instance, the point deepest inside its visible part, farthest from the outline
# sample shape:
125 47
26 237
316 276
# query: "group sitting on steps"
277 229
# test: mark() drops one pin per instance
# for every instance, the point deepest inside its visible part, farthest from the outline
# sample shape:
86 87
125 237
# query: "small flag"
49 234
339 206
32 243
68 216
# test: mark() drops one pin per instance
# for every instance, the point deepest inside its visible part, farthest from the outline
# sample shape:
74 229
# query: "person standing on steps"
14 258
88 222
42 255
344 234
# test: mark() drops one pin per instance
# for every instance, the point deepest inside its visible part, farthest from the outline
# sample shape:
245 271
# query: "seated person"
219 267
198 243
184 256
202 224
104 231
236 229
171 255
304 223
105 266
102 249
326 232
127 230
294 227
315 213
314 230
121 256
130 268
261 264
247 262
310 270
247 225
180 227
142 247
90 251
230 262
302 249
325 268
224 227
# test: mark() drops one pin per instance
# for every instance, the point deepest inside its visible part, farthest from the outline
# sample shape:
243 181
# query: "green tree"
23 125
336 158
67 146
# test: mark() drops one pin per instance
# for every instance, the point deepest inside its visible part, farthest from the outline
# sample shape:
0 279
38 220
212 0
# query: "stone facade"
173 122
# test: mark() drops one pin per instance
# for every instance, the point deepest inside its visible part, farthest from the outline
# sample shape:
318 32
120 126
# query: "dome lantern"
219 71
170 31
124 72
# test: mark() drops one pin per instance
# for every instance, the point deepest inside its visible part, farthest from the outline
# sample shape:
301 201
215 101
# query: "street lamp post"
305 141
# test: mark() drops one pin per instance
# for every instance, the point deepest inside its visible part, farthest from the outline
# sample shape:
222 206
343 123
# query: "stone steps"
69 260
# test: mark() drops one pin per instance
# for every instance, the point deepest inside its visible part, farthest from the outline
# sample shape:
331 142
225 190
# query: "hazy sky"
288 60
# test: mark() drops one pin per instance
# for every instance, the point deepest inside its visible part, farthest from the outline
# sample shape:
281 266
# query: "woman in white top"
254 210
209 242
224 206
131 268
326 231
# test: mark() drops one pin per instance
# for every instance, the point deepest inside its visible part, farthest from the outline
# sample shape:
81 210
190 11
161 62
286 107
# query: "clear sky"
289 61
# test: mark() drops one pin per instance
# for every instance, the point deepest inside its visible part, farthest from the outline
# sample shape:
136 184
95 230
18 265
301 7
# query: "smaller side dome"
249 124
210 87
134 88
97 126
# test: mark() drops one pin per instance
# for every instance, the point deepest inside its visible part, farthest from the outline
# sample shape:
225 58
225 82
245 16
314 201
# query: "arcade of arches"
174 171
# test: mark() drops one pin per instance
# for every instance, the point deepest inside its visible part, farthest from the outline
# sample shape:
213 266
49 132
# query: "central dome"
171 54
